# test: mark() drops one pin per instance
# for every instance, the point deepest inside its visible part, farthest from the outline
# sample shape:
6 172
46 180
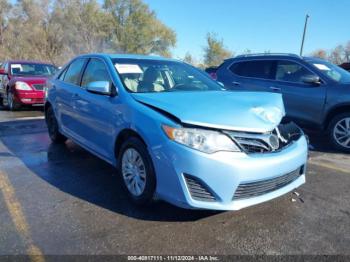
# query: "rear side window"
291 72
95 71
73 73
255 69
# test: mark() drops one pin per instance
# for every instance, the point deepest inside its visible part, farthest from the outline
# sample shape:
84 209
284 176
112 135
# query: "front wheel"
136 168
12 104
52 126
339 132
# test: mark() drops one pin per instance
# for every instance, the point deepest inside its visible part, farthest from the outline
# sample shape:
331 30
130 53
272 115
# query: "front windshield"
335 72
32 69
146 76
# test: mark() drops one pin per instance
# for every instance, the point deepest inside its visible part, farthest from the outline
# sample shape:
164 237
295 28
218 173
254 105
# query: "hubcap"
341 132
133 171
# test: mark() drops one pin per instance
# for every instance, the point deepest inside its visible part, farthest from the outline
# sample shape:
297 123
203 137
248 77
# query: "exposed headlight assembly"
203 140
22 86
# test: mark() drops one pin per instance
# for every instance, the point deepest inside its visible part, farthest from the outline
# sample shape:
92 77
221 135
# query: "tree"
337 56
215 52
189 59
320 53
347 52
57 30
137 28
82 25
5 8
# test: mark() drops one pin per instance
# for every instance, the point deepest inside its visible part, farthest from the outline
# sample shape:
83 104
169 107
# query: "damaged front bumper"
193 179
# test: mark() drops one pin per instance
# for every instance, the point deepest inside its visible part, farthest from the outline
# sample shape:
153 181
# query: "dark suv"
316 93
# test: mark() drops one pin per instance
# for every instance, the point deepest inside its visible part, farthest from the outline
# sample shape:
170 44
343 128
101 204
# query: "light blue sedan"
174 134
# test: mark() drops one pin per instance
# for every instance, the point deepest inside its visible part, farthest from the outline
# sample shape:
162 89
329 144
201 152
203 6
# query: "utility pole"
302 41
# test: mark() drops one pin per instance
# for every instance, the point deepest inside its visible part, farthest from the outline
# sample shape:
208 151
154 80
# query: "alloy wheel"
133 171
341 132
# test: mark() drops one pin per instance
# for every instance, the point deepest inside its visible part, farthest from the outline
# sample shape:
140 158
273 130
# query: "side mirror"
311 79
2 71
99 87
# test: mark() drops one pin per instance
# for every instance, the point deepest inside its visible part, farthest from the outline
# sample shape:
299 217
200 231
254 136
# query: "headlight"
22 86
202 140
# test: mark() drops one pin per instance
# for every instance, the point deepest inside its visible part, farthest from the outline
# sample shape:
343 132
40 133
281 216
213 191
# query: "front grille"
198 190
276 140
39 86
258 188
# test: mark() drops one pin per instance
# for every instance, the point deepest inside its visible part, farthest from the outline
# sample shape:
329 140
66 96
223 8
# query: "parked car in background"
174 133
316 93
345 66
22 82
212 72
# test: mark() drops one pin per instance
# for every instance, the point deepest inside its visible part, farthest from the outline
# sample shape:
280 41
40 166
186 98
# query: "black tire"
52 126
331 132
148 192
12 104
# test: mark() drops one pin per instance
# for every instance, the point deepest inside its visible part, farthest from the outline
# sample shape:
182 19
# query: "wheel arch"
335 111
47 105
123 136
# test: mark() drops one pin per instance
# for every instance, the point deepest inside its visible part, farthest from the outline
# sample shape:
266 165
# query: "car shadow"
75 171
319 142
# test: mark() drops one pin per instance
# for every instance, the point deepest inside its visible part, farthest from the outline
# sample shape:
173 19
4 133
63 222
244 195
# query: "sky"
265 25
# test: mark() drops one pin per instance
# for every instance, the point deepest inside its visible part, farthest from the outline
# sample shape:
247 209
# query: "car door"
68 86
96 113
253 75
304 102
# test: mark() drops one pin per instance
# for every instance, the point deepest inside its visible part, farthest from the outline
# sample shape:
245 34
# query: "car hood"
229 110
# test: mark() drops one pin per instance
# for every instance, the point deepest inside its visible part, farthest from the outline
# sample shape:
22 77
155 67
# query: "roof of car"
345 66
129 56
274 56
28 61
269 55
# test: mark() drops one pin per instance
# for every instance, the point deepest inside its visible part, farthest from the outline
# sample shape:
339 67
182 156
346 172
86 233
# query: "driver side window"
289 71
95 71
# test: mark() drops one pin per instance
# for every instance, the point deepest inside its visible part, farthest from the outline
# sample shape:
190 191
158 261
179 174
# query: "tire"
141 172
12 104
52 126
339 132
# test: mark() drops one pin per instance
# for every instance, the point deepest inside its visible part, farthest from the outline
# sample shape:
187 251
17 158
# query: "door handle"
236 83
277 89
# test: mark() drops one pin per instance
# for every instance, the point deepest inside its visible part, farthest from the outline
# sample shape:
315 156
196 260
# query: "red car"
22 82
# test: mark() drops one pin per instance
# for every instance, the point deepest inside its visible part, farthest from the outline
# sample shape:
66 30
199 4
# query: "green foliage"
57 30
137 29
189 59
215 52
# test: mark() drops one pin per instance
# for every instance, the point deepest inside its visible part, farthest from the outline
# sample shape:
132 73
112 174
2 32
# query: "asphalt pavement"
60 199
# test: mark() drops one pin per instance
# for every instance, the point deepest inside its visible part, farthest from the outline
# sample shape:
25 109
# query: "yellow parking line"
18 218
329 166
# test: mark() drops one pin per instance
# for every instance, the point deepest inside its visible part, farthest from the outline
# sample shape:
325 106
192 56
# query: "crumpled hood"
240 111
